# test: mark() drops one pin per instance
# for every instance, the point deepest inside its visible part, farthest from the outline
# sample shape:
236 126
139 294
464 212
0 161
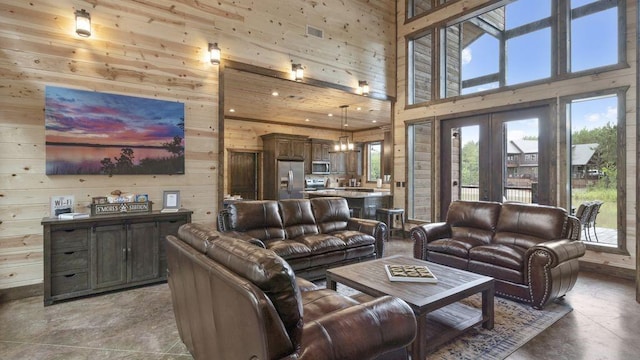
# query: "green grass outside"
609 209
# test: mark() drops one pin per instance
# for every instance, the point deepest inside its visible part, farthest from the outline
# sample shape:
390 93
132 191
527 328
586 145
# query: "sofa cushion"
288 249
352 238
526 225
257 218
455 247
331 213
320 302
297 218
511 257
473 220
267 271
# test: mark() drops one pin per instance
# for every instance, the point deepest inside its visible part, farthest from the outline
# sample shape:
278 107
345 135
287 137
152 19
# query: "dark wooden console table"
107 252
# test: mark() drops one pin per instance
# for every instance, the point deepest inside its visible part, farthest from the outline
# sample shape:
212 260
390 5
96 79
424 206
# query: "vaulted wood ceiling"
251 97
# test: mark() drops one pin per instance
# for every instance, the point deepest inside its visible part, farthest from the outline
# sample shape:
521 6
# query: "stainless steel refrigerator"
290 179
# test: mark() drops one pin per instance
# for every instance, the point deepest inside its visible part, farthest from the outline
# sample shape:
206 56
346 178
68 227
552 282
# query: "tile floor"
139 324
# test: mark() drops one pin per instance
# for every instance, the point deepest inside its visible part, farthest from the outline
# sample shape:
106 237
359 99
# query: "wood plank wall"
157 49
552 90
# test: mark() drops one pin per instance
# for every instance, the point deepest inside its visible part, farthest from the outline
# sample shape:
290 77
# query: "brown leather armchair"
531 250
235 300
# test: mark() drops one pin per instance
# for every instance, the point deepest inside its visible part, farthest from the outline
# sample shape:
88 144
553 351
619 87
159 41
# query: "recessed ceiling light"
274 93
306 119
329 114
232 110
374 121
358 108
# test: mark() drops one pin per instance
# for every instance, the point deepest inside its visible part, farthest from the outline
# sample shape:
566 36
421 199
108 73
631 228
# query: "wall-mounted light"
83 23
214 53
363 87
298 72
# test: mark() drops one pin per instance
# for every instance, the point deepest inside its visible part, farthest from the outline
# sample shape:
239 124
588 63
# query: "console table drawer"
69 283
70 260
64 240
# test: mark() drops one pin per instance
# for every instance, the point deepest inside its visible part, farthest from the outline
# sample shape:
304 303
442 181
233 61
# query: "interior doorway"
499 157
243 174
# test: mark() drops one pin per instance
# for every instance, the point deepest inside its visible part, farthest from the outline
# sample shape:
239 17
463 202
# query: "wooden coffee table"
439 314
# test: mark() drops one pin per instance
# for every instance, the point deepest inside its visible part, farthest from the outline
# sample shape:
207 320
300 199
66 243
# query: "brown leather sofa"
311 235
531 250
235 300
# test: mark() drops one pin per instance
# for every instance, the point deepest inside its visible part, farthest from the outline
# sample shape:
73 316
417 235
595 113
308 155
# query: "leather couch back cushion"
267 271
526 225
474 214
198 236
258 218
297 217
331 213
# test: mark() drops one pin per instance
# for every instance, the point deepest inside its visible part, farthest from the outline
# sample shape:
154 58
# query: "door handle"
290 187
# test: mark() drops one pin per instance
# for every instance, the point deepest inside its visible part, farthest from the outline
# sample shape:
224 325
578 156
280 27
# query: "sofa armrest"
423 234
557 251
377 229
340 335
242 236
551 269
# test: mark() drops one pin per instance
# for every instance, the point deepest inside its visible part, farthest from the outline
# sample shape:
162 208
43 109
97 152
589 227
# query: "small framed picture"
171 201
99 200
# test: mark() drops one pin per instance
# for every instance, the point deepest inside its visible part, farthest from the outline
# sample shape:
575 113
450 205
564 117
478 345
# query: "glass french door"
502 156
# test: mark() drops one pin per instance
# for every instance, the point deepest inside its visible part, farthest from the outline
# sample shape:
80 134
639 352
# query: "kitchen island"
363 204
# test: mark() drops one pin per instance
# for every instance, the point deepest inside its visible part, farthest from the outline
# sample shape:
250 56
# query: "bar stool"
389 216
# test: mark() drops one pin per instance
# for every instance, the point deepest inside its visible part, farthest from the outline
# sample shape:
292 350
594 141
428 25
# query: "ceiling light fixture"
344 141
363 87
83 23
214 53
298 72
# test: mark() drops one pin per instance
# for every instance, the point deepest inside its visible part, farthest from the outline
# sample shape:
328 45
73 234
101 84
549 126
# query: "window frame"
560 19
367 149
621 183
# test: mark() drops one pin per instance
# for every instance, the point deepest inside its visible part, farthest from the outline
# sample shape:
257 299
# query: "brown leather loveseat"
235 300
311 235
531 250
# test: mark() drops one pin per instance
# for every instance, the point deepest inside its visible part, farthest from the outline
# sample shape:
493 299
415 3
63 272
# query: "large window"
595 161
519 42
594 22
374 152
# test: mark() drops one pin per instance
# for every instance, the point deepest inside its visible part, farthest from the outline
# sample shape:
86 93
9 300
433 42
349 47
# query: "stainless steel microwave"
320 167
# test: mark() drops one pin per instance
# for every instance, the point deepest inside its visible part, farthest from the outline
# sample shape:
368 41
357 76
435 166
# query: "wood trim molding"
21 292
629 274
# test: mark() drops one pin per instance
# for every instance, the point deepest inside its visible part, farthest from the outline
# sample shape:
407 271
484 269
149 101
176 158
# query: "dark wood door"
109 255
243 174
142 251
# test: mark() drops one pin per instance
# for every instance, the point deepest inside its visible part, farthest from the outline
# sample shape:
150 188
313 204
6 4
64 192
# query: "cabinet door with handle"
108 256
142 251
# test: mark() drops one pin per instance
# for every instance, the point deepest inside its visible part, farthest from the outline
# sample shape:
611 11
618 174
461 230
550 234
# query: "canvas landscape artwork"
97 133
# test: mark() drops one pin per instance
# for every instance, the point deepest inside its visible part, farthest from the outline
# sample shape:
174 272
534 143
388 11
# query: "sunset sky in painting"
87 117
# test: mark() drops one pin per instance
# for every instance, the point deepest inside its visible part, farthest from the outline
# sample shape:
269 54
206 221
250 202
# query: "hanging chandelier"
344 141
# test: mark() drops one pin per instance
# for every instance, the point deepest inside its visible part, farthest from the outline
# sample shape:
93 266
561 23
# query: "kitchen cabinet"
103 253
285 146
338 163
320 150
354 161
